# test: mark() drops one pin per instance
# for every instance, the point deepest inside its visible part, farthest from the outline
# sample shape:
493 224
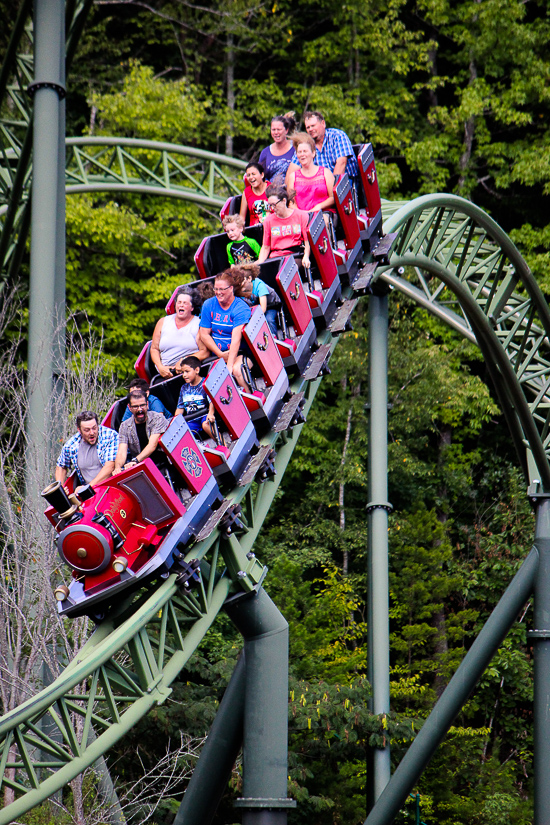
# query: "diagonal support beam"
456 693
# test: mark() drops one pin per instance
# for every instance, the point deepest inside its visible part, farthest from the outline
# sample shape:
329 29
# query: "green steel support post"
58 320
378 766
456 693
48 180
541 638
265 752
218 756
60 243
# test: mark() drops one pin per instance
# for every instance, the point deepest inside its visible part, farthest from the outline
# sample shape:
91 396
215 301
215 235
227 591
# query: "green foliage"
454 96
535 245
483 791
64 811
420 586
329 730
45 815
327 635
152 108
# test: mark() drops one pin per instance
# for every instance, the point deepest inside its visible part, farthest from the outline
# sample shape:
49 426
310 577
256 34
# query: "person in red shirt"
285 228
254 197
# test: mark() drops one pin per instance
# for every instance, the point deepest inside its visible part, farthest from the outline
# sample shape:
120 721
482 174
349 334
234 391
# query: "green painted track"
150 167
130 661
449 256
16 130
460 265
93 164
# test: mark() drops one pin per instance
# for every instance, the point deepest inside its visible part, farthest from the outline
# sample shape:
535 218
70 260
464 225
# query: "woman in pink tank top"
313 184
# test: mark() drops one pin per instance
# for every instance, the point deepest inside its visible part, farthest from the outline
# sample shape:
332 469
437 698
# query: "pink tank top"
310 191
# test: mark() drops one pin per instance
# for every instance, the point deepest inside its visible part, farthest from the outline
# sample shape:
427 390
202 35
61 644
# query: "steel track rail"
462 266
470 280
16 129
459 264
115 165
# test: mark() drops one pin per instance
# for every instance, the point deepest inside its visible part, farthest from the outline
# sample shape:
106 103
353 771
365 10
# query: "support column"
541 639
46 349
265 751
378 507
60 241
47 224
218 756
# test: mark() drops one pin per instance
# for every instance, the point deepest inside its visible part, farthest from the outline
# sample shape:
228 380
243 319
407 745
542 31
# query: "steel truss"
149 167
452 259
459 265
456 262
463 267
130 661
16 129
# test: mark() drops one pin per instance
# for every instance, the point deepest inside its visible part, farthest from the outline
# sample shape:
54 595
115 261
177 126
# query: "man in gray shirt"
139 435
91 452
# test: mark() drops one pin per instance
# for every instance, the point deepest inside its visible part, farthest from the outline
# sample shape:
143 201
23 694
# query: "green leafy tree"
153 108
123 265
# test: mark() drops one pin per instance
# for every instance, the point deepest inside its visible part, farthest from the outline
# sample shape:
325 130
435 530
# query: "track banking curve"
465 269
457 263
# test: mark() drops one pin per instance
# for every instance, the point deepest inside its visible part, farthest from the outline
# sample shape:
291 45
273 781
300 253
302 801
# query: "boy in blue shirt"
193 398
255 291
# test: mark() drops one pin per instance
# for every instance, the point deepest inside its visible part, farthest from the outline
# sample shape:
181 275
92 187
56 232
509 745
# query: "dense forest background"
455 97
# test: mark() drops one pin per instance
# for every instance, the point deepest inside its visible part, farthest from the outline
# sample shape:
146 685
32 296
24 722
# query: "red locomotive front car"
132 527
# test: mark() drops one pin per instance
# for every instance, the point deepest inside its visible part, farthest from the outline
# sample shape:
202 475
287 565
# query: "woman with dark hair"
223 319
285 228
254 198
276 158
177 335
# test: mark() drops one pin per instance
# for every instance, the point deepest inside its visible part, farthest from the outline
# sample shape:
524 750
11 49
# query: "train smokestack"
56 496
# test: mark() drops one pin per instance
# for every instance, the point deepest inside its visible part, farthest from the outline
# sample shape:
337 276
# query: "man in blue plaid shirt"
91 452
333 147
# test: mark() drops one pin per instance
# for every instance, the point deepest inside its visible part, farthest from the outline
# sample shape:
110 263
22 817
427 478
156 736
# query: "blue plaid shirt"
336 144
107 446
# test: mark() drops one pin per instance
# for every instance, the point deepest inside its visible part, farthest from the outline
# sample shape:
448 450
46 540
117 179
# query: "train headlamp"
61 592
120 564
